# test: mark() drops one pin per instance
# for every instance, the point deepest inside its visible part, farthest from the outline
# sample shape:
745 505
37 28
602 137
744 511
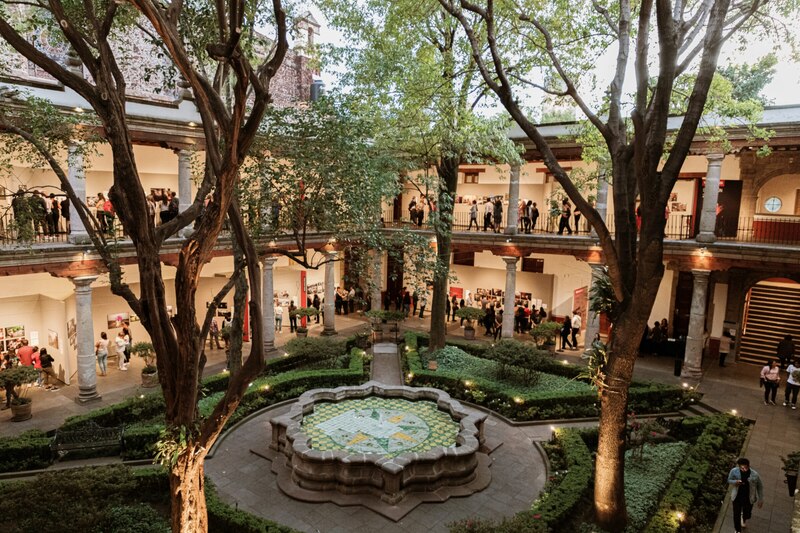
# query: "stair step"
773 312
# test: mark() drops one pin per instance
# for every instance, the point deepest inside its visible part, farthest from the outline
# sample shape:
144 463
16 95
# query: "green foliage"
647 478
136 518
17 375
512 354
545 333
301 312
699 483
791 462
222 518
139 440
145 351
471 314
749 80
125 412
29 450
318 352
602 300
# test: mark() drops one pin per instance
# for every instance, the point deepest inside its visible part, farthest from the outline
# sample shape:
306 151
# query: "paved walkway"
386 364
776 430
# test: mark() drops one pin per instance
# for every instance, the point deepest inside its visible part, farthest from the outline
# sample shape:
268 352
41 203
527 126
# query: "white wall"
718 305
568 274
784 187
663 304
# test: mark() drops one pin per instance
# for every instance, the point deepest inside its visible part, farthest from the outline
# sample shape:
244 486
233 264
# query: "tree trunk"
447 169
234 354
187 488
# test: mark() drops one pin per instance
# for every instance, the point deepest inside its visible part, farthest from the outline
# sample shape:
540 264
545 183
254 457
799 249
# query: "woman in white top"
120 346
792 385
771 377
101 352
278 316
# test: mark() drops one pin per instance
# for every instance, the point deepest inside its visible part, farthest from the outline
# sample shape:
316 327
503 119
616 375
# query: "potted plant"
544 335
301 312
791 464
149 372
17 381
376 317
470 314
362 339
395 317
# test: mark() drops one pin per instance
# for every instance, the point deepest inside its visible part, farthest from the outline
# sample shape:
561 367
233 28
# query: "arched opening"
777 214
771 311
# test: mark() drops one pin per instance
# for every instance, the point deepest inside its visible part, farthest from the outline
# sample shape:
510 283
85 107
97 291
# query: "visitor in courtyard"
213 333
664 329
461 304
39 209
519 318
119 344
420 212
498 214
747 490
577 215
53 215
576 328
101 352
99 212
423 304
351 299
454 308
126 334
110 215
792 385
770 378
47 369
412 209
566 329
566 213
488 209
37 364
447 306
315 303
488 320
163 207
786 350
473 216
522 214
406 303
278 316
498 322
725 347
292 317
531 216
414 303
24 353
65 215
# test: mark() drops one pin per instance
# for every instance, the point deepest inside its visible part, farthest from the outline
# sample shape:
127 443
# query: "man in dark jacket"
786 351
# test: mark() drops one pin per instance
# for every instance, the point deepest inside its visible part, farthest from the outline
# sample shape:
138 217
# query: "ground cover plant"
471 372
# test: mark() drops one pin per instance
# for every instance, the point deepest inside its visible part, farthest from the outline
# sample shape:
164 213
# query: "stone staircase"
773 311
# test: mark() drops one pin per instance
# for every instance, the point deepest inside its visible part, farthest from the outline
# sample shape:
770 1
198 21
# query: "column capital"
83 281
511 262
268 261
715 158
701 273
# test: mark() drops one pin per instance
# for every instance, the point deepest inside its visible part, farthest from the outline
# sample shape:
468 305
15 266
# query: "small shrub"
137 518
28 451
315 350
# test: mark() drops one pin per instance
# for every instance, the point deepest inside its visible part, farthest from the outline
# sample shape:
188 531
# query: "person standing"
498 214
792 386
119 344
412 209
577 215
278 316
406 302
473 216
576 328
423 304
770 377
315 303
24 353
786 350
101 352
534 216
488 209
454 307
748 489
566 212
65 215
447 307
724 346
126 334
488 320
37 364
214 334
414 303
292 317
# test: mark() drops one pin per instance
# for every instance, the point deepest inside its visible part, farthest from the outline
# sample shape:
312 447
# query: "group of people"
771 375
570 329
39 215
121 347
566 215
416 210
654 338
163 207
38 358
345 300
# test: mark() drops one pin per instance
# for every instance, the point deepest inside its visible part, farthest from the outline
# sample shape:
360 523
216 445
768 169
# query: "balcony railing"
759 229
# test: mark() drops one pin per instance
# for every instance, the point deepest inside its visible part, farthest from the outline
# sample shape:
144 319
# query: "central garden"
671 466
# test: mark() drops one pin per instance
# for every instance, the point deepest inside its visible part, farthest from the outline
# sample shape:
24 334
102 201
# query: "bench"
88 437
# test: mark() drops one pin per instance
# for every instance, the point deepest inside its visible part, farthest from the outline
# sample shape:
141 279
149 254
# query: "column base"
706 237
691 373
79 238
88 396
329 332
269 347
509 230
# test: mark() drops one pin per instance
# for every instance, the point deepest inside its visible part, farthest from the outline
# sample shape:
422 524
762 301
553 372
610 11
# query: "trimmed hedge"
695 490
223 518
132 409
27 451
534 405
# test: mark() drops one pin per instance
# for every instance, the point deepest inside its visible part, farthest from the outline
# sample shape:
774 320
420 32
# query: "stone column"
508 304
602 204
329 309
693 361
77 179
268 303
377 272
184 184
592 320
708 217
87 375
512 217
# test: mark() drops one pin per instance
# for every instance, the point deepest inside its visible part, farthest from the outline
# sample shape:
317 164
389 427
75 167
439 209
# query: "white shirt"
120 342
488 207
279 311
791 380
576 321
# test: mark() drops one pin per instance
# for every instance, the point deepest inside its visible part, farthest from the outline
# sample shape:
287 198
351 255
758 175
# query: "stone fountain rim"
467 439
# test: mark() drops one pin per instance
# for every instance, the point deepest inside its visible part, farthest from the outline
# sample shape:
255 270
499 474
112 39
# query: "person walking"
423 304
473 216
278 316
566 213
534 216
786 350
792 385
315 303
566 329
488 209
748 489
498 214
101 352
724 347
213 333
498 322
576 328
770 378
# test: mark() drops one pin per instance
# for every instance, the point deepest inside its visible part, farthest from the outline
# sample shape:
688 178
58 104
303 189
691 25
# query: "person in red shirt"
24 353
37 364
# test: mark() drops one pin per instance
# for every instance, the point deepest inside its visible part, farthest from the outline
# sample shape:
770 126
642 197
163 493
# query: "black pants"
791 390
475 221
422 311
575 332
741 510
534 220
526 224
770 389
565 339
563 224
487 221
292 323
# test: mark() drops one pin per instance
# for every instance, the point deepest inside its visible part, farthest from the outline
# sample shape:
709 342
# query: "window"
531 264
773 204
464 258
470 177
